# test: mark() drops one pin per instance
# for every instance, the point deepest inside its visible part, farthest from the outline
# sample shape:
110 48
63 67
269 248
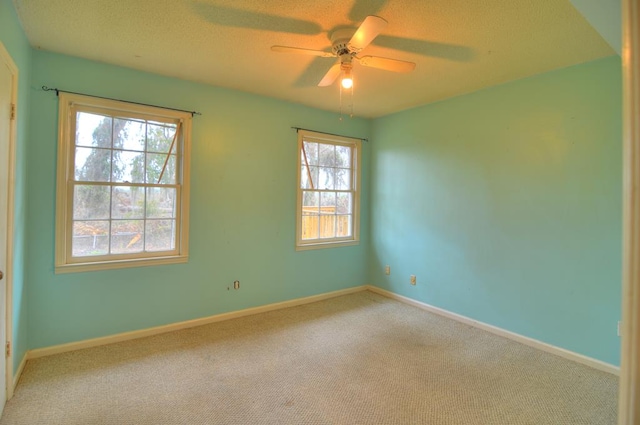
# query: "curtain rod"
330 134
45 88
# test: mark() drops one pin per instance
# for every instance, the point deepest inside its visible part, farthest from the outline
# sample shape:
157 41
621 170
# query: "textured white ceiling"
459 46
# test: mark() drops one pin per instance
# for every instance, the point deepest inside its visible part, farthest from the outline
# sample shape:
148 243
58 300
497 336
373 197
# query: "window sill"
323 245
119 264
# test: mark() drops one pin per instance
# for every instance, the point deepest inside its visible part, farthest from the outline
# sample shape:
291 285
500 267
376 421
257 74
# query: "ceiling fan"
346 45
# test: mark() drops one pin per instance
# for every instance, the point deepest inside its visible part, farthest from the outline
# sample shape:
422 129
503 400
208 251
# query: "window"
122 188
328 191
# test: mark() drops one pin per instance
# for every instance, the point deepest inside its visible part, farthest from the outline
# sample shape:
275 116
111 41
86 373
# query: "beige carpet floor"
356 359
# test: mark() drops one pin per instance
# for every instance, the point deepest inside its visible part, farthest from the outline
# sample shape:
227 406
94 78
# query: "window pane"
160 235
90 238
327 155
327 226
328 202
155 162
326 178
127 236
161 203
310 227
127 202
305 183
93 130
311 150
310 203
91 202
343 156
128 166
129 134
159 138
343 226
344 203
93 165
343 179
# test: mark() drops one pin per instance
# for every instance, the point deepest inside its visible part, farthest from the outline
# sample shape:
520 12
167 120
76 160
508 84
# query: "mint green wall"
14 40
243 190
506 205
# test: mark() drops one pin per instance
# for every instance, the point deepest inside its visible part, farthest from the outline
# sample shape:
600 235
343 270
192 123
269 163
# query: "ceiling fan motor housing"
340 42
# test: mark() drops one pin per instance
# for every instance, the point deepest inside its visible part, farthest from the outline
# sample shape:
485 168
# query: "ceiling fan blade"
387 64
285 49
368 30
330 76
312 73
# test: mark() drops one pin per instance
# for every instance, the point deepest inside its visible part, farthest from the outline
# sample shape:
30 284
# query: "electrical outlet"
387 270
412 279
236 284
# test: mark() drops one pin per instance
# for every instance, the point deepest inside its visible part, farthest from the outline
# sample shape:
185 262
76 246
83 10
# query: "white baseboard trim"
110 339
18 374
570 355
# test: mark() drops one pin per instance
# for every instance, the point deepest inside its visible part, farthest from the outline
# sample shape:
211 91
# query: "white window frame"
64 261
356 148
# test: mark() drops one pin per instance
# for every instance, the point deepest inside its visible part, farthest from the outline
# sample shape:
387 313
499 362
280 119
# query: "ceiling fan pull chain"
351 112
340 86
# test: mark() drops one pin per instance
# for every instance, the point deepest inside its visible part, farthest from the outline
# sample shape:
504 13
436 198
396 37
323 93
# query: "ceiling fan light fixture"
347 82
347 78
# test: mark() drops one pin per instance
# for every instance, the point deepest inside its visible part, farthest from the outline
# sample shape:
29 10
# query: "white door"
6 79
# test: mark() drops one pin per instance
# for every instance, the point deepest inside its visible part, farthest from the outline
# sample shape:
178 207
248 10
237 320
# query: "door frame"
6 58
629 391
